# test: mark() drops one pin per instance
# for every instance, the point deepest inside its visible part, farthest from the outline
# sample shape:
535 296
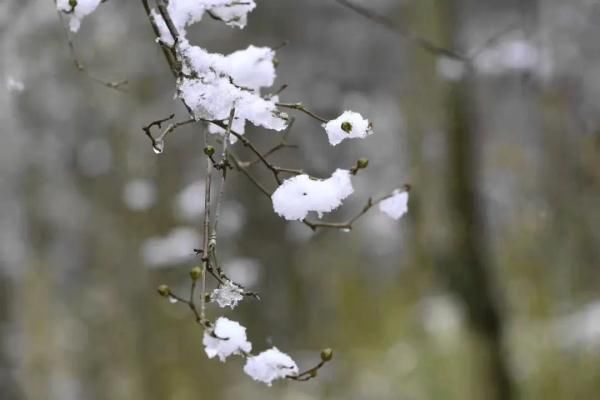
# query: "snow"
450 69
171 249
185 12
81 9
396 205
14 85
189 203
139 194
579 329
225 339
234 15
251 68
510 55
349 125
299 195
227 294
270 365
214 84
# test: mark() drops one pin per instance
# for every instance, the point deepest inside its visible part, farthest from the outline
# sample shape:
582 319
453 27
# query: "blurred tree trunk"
8 385
451 221
469 270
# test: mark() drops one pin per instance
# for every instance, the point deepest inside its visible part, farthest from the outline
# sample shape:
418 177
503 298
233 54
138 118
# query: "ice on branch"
185 12
76 9
228 294
270 365
298 195
213 84
225 339
349 125
396 205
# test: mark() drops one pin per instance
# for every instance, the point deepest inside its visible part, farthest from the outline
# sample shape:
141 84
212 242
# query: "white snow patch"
396 205
270 365
349 125
299 195
225 339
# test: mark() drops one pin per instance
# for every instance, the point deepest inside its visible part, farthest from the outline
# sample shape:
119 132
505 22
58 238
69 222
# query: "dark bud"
195 273
164 290
362 163
209 151
346 126
326 355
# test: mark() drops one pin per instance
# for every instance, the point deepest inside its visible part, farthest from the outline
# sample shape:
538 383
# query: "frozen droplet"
158 146
172 300
346 230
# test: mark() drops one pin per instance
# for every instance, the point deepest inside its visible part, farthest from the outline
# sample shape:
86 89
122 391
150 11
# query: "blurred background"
488 289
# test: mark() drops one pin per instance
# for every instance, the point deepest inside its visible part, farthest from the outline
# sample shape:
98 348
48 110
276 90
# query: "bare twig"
205 242
404 33
79 66
251 178
473 54
167 52
301 107
314 225
224 162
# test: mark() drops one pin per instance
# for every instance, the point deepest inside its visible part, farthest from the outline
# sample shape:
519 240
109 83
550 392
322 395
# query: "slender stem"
404 33
301 107
292 171
348 224
247 143
79 66
174 126
205 261
169 56
224 166
251 178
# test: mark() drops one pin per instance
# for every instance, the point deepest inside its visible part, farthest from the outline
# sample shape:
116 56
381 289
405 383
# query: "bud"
72 3
346 126
164 290
326 354
195 273
209 150
362 163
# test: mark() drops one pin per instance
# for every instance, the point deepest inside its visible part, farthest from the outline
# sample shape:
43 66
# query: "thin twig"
167 52
205 242
79 66
473 54
251 178
314 225
404 33
223 174
301 107
247 143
